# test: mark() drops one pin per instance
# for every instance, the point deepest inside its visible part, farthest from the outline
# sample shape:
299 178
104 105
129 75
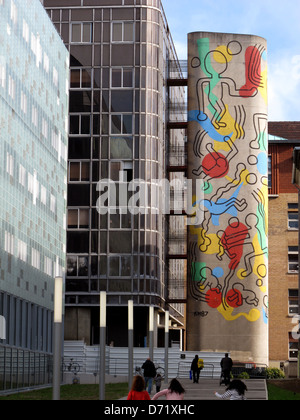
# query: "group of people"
235 389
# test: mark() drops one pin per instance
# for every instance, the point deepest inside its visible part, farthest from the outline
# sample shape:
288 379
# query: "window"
22 250
34 116
122 78
52 203
2 75
293 347
10 164
79 171
270 171
9 243
26 31
121 124
293 302
43 195
35 259
11 87
13 12
78 218
81 33
122 32
293 223
81 78
48 268
293 266
44 128
80 124
22 175
46 63
23 102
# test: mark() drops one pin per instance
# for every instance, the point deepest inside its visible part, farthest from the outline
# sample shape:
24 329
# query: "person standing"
226 366
195 369
149 373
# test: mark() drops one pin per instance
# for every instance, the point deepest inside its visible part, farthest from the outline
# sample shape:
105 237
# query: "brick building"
283 245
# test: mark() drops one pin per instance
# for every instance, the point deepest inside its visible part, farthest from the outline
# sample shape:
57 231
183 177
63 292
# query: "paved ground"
205 390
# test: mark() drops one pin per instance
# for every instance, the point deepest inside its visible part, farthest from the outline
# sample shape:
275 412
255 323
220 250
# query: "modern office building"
284 247
120 52
33 184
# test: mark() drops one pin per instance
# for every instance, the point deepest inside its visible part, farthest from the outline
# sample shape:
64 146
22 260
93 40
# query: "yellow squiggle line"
253 315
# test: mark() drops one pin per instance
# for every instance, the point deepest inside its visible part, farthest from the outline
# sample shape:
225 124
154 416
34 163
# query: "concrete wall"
227 149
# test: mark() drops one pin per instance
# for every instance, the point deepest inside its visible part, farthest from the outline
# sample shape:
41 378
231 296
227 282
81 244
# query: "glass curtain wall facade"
119 52
34 81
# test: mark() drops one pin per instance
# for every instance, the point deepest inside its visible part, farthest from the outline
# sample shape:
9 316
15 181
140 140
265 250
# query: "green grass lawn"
279 394
72 393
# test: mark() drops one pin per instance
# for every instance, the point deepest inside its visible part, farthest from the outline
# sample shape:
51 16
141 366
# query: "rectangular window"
23 102
81 78
293 222
11 87
2 75
293 302
122 32
35 259
48 266
79 171
25 31
270 171
122 78
80 124
81 33
293 347
9 243
293 266
22 175
10 164
22 250
121 124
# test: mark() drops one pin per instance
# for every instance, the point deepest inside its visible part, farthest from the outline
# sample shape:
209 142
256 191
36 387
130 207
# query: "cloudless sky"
278 21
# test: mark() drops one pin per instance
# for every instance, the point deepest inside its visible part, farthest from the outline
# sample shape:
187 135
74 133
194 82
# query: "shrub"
244 375
274 373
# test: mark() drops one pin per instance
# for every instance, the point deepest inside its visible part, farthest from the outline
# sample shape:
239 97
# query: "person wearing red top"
137 392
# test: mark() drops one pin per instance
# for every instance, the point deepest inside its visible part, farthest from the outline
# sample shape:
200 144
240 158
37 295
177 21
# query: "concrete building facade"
227 149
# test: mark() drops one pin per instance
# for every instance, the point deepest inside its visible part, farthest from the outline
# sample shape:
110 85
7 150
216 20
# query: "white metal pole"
130 343
57 337
102 346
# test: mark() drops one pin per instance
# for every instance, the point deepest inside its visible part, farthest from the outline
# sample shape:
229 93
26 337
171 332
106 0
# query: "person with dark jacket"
149 373
195 369
226 365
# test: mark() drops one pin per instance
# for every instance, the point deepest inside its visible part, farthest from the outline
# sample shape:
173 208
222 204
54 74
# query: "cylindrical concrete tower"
228 149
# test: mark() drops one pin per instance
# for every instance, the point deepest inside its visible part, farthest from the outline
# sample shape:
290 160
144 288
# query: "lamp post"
130 343
57 337
151 332
102 345
296 182
167 320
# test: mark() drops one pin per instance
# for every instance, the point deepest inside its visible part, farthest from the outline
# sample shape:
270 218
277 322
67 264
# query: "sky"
278 21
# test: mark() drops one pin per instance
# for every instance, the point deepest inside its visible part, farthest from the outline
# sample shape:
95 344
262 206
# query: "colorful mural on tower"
227 149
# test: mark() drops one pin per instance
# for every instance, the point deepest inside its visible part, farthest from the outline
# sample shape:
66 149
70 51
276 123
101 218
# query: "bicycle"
73 367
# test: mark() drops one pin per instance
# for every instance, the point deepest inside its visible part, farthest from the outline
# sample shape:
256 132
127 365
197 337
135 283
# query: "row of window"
21 250
37 119
38 191
82 32
33 42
